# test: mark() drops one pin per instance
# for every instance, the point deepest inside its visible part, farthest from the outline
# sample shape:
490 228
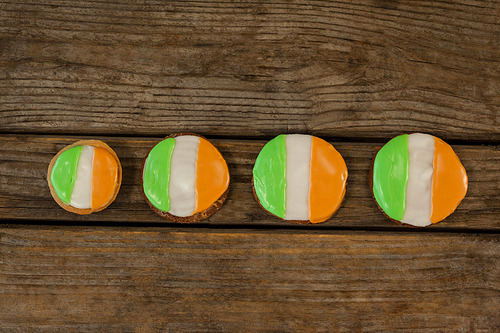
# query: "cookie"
184 178
85 177
299 178
417 179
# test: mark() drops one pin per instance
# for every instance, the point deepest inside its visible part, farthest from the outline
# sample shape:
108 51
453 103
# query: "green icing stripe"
63 173
269 176
390 176
156 174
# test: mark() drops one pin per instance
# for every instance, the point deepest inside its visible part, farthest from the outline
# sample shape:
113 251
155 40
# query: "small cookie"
300 178
417 179
185 178
85 177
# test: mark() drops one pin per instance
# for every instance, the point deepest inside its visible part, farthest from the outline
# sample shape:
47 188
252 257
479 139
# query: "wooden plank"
364 69
138 280
24 194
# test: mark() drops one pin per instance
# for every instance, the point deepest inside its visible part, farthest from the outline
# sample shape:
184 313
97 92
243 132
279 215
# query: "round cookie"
184 178
299 178
85 177
417 179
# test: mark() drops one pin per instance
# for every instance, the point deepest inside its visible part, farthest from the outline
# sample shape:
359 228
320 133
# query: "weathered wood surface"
356 73
116 280
358 70
24 193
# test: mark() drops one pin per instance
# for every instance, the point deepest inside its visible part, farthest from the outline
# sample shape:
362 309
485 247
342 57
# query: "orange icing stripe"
212 175
449 181
104 177
328 178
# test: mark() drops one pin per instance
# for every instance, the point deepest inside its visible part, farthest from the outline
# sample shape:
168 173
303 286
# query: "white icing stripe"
182 186
419 187
81 197
298 166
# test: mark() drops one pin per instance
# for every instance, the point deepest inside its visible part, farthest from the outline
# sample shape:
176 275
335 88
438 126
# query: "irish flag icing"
418 179
85 177
184 175
300 177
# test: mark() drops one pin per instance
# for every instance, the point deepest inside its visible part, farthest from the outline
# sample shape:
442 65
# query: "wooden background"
355 73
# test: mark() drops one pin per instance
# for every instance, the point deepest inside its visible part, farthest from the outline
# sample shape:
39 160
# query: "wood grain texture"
24 193
116 280
251 69
360 72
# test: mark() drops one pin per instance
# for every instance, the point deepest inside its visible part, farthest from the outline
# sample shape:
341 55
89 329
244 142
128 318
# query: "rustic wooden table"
355 73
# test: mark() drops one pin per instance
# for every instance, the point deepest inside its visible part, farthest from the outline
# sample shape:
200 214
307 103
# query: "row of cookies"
416 179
